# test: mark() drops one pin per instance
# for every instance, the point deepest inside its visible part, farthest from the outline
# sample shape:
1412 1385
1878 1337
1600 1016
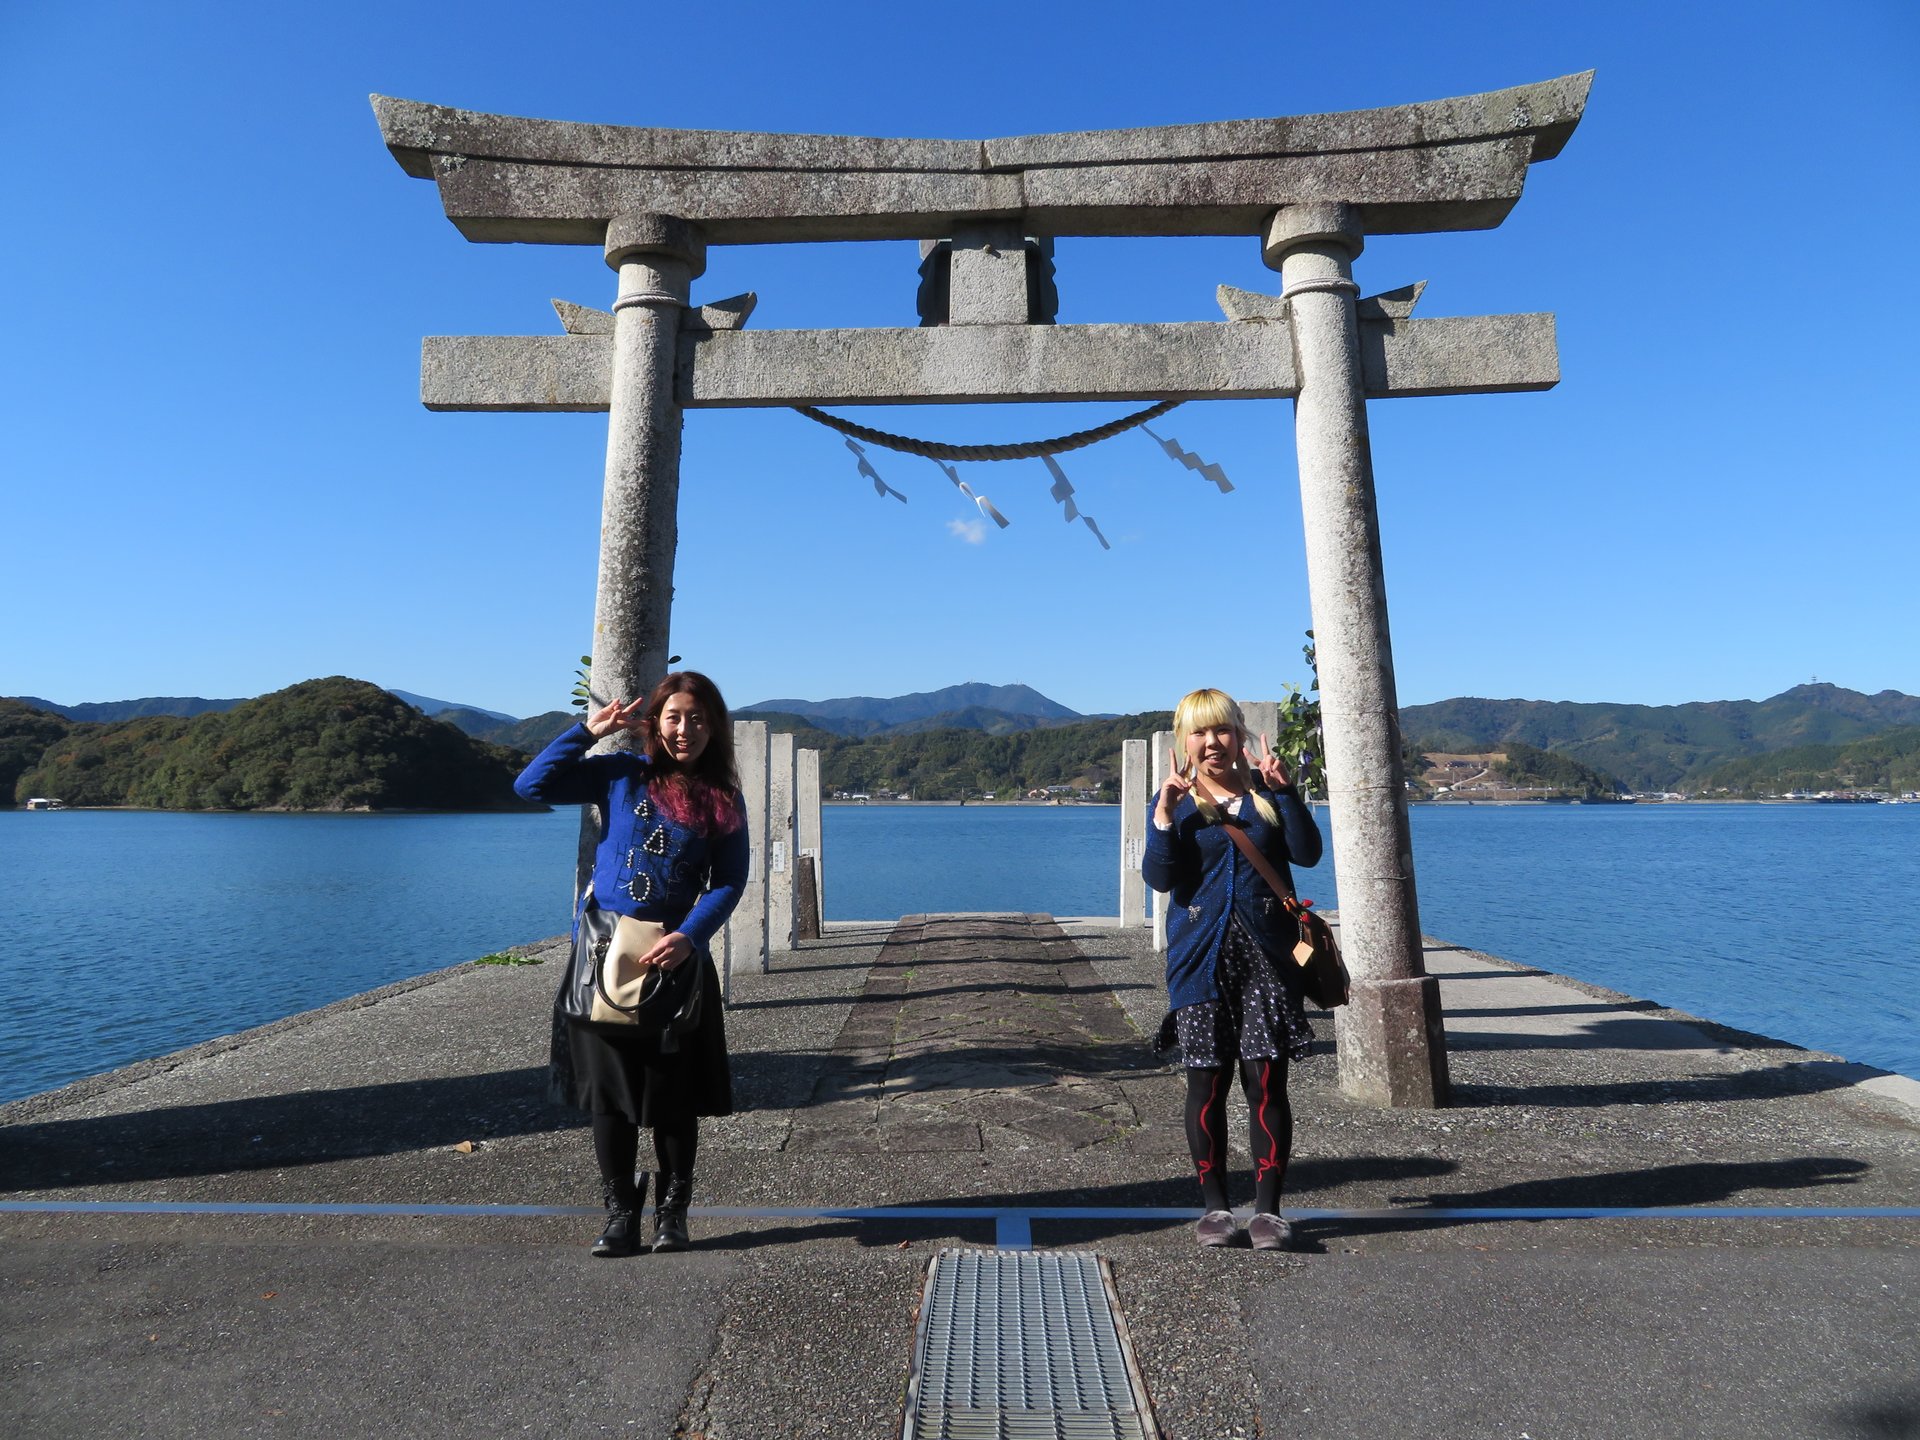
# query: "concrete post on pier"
779 846
747 927
808 833
1162 768
1392 1044
1263 718
1134 794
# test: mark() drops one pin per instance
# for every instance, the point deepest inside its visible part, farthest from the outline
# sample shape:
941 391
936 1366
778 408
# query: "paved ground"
979 1062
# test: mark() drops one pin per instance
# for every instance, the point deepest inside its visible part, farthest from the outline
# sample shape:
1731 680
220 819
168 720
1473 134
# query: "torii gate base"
1311 188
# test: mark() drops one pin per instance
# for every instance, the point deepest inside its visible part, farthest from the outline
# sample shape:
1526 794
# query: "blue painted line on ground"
1014 1219
1012 1232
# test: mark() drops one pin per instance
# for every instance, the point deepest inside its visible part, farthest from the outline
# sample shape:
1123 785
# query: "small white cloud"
974 532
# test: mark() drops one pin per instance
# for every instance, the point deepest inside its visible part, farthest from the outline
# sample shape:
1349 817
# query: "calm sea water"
132 934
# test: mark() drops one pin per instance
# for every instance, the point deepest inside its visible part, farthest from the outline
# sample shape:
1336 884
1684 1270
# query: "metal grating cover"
1023 1345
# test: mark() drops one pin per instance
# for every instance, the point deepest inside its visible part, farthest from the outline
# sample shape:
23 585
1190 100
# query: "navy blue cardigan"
1207 879
646 865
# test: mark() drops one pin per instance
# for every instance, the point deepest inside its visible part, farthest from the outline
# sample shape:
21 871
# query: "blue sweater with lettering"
646 865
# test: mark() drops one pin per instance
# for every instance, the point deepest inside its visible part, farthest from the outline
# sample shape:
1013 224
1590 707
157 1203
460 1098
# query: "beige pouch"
623 982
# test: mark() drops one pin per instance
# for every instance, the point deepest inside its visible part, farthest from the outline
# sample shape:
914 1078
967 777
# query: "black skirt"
611 1070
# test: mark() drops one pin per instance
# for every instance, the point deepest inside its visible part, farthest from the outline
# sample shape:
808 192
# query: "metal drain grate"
1023 1346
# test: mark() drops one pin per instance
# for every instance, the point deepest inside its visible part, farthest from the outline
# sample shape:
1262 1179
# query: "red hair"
701 797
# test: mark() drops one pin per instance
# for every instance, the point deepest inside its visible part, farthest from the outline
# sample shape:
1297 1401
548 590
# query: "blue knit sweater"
646 865
1207 880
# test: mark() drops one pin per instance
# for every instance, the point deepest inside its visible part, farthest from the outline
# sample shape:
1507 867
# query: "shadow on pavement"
1893 1414
1696 1089
265 1132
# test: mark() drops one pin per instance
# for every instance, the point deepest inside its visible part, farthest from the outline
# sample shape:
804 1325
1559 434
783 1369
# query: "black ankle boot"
622 1235
670 1213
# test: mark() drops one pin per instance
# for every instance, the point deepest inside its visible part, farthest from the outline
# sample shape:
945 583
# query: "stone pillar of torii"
1309 189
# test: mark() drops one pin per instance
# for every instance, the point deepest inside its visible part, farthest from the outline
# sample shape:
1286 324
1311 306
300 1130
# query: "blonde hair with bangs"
1204 710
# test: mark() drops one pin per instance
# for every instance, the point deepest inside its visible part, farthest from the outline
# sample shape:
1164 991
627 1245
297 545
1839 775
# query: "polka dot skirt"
1257 1016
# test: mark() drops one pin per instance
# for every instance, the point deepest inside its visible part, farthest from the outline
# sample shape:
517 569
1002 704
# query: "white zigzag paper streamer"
1063 492
985 505
1191 460
866 468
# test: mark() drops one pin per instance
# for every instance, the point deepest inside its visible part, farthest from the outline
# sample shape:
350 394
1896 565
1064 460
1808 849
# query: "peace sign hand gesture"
1267 765
616 715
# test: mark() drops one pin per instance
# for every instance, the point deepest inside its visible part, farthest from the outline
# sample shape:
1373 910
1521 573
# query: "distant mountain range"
187 706
1647 747
996 709
1659 747
107 711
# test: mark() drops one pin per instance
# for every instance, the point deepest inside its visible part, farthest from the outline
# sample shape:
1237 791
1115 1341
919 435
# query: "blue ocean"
130 934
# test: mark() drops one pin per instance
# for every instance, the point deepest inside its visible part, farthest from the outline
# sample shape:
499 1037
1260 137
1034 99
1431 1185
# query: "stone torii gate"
1311 188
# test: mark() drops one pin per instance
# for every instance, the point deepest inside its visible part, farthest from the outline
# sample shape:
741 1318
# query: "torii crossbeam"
1311 188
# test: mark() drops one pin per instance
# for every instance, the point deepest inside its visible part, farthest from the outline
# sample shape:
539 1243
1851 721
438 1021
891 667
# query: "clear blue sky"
218 479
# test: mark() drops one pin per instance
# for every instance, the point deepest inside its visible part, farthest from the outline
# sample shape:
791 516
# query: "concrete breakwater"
954 1074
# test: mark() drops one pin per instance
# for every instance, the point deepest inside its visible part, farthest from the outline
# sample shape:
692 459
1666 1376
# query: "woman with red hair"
672 850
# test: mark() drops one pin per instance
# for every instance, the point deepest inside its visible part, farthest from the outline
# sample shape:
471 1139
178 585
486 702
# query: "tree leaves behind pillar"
1298 743
583 683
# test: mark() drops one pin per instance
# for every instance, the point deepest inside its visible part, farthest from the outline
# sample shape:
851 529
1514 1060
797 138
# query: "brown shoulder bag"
1323 974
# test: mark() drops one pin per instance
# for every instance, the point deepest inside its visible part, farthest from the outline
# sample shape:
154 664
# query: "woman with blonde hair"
1232 992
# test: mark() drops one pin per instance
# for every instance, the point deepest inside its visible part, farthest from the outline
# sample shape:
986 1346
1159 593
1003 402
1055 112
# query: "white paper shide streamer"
1191 460
1061 491
880 486
985 505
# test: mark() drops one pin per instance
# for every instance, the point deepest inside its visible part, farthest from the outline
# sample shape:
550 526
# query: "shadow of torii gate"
1310 187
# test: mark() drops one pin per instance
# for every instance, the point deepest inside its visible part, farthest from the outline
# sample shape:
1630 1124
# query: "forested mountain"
940 744
530 735
439 709
1659 747
869 715
333 744
25 733
953 764
1544 769
106 711
1888 762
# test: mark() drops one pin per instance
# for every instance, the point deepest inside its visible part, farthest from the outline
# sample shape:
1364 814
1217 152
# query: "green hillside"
952 764
332 744
25 734
1530 768
1888 762
1660 747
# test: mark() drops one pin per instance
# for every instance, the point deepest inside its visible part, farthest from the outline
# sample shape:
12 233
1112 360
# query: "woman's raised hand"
616 715
1268 766
1171 794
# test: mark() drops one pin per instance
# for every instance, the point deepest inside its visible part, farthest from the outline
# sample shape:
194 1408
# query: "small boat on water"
41 802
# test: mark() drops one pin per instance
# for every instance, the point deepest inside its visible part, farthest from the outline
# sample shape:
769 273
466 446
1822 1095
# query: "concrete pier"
1612 1232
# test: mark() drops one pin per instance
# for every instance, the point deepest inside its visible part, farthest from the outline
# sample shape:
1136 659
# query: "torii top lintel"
1454 164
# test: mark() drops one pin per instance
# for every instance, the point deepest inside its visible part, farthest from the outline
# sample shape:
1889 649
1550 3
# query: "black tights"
616 1147
1270 1130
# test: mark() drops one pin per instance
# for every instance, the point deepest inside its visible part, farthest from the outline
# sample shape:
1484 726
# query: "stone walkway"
972 1033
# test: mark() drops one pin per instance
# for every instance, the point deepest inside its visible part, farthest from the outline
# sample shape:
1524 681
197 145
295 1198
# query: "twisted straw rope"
1028 450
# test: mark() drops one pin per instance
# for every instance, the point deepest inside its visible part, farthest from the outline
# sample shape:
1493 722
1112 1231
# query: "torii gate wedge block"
1308 189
